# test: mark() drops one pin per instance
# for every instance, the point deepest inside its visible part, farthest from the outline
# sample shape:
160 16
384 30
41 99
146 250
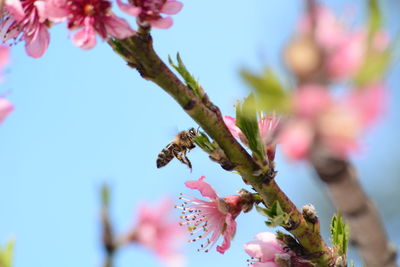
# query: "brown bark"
366 229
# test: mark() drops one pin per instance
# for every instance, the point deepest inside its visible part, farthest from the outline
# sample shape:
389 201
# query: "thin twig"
107 230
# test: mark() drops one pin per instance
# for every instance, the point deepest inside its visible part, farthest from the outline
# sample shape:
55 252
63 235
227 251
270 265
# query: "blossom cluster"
30 20
206 219
319 118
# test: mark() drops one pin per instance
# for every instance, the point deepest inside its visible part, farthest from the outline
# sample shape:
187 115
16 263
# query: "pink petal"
5 108
348 57
369 103
41 9
129 9
163 23
85 38
329 32
266 237
230 122
265 248
4 56
118 27
171 7
311 99
228 235
56 11
37 44
296 139
205 189
15 8
156 231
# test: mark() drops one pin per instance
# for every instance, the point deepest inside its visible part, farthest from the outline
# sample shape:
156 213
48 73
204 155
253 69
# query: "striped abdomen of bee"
167 154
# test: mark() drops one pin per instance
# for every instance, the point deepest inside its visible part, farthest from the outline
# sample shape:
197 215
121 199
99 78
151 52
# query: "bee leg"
186 160
182 158
188 163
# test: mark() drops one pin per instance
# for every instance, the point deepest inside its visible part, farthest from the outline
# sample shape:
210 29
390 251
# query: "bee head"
193 132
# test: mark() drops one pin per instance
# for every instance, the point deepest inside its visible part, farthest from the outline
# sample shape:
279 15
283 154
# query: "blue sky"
83 118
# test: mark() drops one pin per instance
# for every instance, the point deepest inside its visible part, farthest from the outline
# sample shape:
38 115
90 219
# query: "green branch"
138 52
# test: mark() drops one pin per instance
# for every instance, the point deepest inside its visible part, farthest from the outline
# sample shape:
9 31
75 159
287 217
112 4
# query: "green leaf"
105 195
270 93
190 81
374 67
204 143
277 217
246 120
6 254
339 234
374 18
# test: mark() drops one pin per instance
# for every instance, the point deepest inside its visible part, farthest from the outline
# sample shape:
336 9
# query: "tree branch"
366 229
107 231
138 52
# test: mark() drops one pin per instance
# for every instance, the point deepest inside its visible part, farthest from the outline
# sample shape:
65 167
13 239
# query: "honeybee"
178 148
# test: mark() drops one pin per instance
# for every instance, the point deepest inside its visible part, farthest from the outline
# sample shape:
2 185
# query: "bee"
178 148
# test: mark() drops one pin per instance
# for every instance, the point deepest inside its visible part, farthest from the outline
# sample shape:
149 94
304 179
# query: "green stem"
138 52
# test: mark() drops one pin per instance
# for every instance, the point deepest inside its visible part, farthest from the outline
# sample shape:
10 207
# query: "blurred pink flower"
347 57
4 59
215 217
26 20
345 48
311 99
267 126
4 56
329 31
263 250
342 125
296 138
336 124
5 108
149 11
90 17
155 231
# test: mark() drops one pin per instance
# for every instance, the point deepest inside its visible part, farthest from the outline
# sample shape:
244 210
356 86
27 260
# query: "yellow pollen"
89 9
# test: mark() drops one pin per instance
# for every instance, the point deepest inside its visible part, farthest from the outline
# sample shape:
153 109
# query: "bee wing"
172 132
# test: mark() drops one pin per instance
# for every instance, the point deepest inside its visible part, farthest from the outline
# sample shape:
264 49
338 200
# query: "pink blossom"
26 20
157 232
90 17
149 11
263 250
215 217
267 126
311 99
342 124
296 138
347 57
6 107
345 48
329 31
335 124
